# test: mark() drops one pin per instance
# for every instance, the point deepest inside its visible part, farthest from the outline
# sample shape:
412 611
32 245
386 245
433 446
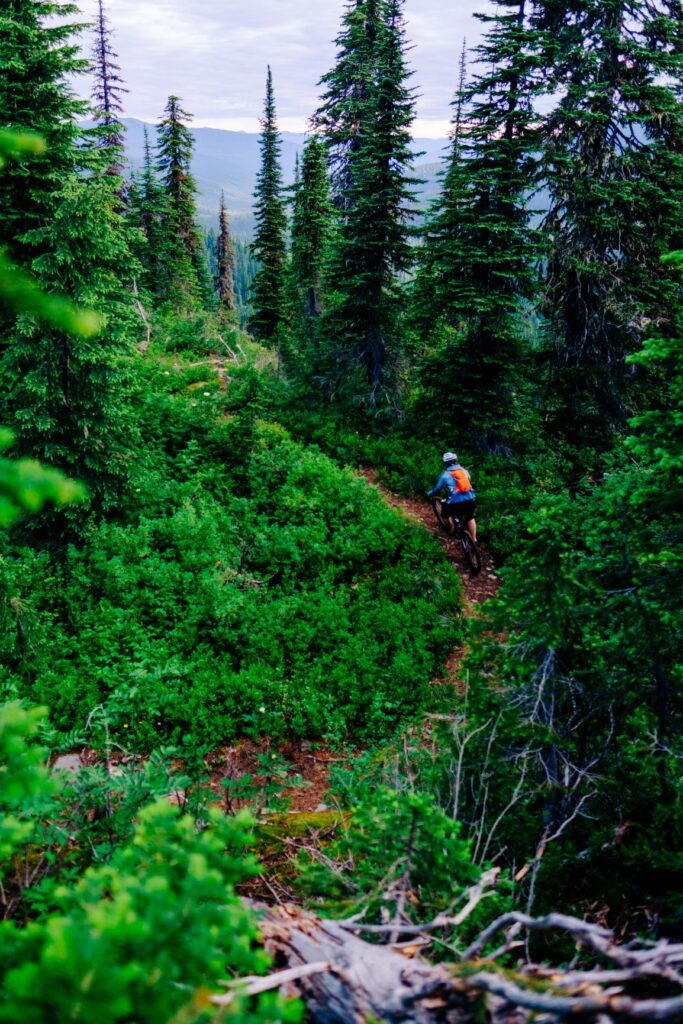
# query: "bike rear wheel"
471 552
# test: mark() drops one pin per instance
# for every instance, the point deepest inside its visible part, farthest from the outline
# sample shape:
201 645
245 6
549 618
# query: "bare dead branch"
563 1006
345 980
474 895
254 986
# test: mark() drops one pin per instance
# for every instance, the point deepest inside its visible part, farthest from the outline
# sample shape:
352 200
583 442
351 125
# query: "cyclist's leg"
449 512
467 518
472 529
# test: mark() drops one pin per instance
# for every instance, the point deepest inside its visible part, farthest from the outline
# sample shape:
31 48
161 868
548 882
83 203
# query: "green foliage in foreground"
250 573
146 936
19 291
25 485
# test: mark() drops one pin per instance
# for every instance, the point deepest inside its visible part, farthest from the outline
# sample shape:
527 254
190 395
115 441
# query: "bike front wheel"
444 523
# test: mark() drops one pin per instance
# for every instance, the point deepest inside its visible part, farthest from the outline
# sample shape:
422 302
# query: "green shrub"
399 858
145 935
249 572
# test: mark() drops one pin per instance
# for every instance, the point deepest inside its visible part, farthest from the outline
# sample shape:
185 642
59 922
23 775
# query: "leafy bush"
249 572
142 937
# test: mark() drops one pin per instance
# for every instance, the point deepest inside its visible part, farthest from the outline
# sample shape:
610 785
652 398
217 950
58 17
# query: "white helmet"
450 457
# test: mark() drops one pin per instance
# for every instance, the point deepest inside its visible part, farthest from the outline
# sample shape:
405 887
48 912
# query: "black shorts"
464 510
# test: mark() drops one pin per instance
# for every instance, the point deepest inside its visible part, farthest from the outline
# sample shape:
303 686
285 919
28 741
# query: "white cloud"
214 55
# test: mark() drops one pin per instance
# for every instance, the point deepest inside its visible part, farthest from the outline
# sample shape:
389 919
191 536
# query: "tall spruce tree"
477 262
182 255
108 93
37 60
65 395
371 248
428 300
268 291
245 272
311 227
347 89
147 212
612 165
225 261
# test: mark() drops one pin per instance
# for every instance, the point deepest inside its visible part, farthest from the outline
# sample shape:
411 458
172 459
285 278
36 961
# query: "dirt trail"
477 589
312 763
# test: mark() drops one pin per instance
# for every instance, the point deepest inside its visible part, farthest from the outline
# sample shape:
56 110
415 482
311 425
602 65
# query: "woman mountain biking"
461 501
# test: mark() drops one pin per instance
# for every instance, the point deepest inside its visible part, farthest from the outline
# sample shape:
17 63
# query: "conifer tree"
269 246
372 247
348 87
182 255
297 174
245 272
108 93
311 227
612 165
477 262
147 212
428 301
37 61
65 395
225 261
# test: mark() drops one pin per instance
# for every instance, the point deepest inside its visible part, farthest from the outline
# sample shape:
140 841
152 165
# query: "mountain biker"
461 503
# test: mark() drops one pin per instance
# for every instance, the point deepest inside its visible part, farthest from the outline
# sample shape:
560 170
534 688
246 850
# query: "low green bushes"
143 930
251 586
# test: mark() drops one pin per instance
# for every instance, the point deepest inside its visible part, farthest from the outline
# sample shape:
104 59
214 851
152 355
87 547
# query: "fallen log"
345 980
363 981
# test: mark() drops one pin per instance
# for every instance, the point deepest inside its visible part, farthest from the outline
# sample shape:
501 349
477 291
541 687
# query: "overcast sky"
214 54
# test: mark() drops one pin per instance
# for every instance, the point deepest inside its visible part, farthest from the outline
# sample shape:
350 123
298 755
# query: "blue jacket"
446 482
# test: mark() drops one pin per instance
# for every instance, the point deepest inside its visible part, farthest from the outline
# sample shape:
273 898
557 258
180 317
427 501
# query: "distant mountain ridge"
229 161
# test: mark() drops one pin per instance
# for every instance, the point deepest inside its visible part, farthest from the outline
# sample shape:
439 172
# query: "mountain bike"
455 527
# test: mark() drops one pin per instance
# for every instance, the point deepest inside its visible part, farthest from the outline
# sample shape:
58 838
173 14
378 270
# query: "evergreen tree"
245 272
612 165
65 395
225 261
210 239
591 702
348 87
311 226
428 301
182 255
269 246
371 248
478 258
147 211
297 175
37 62
108 93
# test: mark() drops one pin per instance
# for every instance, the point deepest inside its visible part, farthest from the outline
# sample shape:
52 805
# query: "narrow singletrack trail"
476 589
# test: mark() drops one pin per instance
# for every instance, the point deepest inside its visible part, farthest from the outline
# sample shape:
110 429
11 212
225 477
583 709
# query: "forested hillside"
228 161
275 743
